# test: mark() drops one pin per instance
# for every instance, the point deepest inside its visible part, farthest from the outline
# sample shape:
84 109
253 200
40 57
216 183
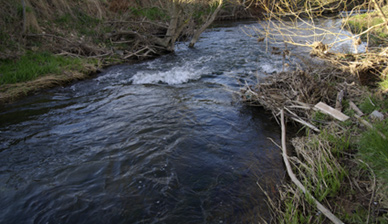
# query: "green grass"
362 22
80 21
329 175
33 65
384 83
152 14
367 105
373 102
373 149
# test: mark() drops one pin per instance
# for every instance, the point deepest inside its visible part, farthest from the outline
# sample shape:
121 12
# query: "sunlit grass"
384 84
33 65
362 22
373 149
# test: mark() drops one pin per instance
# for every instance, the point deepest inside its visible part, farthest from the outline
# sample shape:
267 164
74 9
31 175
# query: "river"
162 141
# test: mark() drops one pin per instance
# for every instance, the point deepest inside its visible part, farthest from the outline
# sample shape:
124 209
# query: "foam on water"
270 68
174 76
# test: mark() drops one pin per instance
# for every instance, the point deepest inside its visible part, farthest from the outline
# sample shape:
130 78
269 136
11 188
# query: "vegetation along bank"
45 44
339 161
337 164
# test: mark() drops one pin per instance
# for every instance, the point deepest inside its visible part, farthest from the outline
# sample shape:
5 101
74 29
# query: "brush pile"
298 91
324 163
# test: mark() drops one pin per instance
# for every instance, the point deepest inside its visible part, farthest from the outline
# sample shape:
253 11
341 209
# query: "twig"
300 120
373 189
295 180
135 53
273 141
101 55
380 11
370 126
306 124
356 109
371 102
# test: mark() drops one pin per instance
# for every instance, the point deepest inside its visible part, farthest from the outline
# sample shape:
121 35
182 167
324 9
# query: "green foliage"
319 118
367 106
373 149
292 214
154 13
362 22
384 83
20 10
33 65
358 216
83 23
373 102
5 40
200 12
339 143
328 174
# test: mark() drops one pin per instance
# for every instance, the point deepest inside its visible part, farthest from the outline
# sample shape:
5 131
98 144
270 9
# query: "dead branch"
340 97
295 180
356 109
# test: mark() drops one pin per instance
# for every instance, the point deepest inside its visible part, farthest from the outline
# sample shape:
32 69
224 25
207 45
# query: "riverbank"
341 163
359 24
40 49
340 157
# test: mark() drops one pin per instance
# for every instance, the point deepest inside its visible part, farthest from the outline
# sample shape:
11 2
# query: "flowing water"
164 141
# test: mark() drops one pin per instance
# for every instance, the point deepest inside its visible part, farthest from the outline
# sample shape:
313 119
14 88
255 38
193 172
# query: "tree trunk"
173 27
24 17
205 25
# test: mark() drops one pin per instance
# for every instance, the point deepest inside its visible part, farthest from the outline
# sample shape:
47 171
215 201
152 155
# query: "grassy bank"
341 164
375 22
33 65
40 39
34 72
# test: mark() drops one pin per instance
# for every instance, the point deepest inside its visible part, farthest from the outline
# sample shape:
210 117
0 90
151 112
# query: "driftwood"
340 97
356 109
326 109
295 180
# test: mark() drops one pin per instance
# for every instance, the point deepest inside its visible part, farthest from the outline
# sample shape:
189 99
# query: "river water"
163 141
